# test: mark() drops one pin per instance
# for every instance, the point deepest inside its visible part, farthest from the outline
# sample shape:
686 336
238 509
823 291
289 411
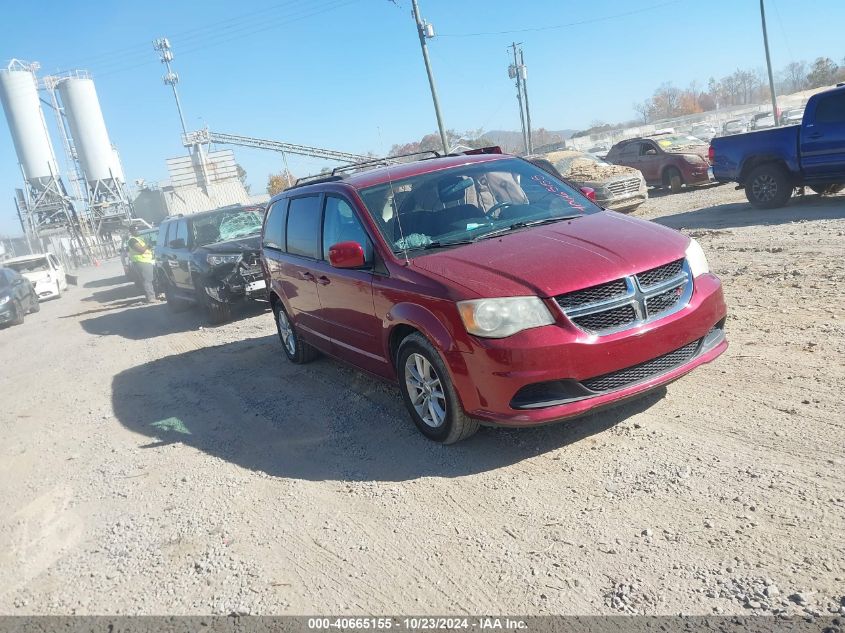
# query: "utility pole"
514 73
171 78
426 30
523 74
769 65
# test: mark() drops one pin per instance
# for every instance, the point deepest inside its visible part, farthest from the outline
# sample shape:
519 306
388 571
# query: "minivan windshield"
466 203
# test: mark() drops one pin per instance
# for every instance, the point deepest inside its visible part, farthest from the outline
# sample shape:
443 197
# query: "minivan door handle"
307 276
323 280
815 135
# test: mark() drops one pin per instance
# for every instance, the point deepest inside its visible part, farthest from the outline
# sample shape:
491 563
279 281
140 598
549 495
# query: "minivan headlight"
696 259
4 299
497 318
217 260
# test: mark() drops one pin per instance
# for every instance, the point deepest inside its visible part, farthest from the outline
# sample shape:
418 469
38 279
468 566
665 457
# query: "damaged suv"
210 259
489 290
617 187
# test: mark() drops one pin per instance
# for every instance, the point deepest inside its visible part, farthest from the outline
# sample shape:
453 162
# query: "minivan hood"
240 244
550 260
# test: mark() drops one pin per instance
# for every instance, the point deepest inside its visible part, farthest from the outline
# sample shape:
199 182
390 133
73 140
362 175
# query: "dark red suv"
490 291
666 160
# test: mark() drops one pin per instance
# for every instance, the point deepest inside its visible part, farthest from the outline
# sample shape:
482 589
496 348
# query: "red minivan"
490 291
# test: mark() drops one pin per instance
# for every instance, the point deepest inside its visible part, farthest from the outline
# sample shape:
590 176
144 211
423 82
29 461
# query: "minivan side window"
303 227
340 224
831 109
274 227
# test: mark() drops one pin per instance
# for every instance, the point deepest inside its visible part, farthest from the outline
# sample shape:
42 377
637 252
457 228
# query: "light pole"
514 72
523 75
426 30
769 65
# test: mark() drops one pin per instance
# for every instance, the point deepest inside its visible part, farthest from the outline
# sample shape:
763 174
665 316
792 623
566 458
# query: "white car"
704 132
44 271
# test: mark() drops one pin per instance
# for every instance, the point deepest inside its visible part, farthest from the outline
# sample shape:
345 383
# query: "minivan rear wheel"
428 393
297 350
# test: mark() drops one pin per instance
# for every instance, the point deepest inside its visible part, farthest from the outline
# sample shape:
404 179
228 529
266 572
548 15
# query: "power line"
183 36
130 59
564 26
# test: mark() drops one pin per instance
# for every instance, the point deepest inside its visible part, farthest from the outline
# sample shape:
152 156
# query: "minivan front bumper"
559 371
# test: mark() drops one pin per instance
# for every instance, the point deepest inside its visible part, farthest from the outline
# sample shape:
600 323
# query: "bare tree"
795 76
643 108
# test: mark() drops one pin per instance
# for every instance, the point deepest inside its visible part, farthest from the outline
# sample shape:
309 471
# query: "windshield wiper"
433 245
523 225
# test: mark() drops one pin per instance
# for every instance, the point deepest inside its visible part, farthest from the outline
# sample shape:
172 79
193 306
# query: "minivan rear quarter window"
303 228
274 228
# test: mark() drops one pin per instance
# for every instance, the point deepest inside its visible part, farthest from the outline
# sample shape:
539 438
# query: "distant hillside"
508 139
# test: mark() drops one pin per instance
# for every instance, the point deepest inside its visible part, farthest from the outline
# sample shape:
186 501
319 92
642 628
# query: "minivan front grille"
644 371
630 301
593 294
654 276
607 320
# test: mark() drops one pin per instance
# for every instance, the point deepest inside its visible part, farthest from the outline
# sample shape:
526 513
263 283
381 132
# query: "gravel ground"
152 465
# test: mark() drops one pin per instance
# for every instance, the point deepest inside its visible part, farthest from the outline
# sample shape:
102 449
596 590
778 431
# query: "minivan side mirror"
347 255
178 243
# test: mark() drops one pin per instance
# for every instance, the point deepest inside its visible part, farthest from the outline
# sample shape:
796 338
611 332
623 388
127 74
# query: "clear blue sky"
348 74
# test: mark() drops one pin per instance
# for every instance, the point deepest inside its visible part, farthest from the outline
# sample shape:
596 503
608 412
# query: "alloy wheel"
764 188
286 332
425 390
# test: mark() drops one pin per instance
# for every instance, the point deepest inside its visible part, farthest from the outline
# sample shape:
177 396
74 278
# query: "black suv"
17 297
210 259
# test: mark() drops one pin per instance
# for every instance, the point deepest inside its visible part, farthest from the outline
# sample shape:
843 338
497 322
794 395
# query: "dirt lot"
151 465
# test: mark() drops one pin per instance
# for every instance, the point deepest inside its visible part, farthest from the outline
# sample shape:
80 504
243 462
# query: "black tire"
36 305
297 351
673 180
174 303
20 314
455 424
768 186
216 312
828 190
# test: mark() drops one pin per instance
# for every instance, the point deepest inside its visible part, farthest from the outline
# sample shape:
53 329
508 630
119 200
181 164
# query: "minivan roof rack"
314 179
382 160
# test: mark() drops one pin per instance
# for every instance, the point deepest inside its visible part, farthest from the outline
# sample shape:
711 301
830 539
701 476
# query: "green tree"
277 183
822 73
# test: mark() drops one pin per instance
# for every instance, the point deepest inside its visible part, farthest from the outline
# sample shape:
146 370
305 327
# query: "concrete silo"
98 158
46 198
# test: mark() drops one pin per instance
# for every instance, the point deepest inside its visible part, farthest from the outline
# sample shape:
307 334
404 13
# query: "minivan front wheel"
428 393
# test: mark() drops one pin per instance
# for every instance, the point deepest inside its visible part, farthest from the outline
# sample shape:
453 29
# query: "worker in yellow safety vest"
143 260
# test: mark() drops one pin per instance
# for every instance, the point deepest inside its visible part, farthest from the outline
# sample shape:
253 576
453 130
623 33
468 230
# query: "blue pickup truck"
771 163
